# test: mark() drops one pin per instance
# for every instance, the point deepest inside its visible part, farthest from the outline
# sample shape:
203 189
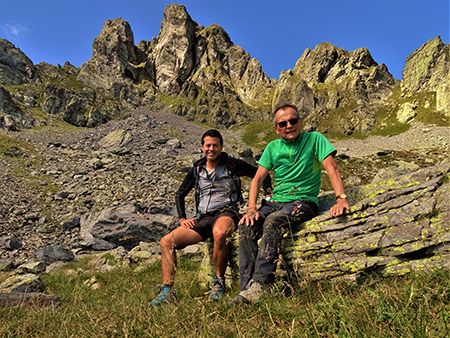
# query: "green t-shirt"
297 166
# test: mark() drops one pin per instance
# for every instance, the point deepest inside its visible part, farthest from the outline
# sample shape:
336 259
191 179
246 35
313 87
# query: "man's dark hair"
212 133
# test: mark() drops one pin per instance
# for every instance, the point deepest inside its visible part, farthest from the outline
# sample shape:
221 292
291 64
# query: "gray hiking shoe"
166 295
217 289
251 294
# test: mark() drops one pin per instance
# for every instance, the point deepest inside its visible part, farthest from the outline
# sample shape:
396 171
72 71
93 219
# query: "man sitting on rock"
215 178
296 159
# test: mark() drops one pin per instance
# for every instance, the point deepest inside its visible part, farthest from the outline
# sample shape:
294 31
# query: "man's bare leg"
179 237
222 231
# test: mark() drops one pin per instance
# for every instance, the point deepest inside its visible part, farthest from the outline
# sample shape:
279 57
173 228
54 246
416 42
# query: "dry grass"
410 306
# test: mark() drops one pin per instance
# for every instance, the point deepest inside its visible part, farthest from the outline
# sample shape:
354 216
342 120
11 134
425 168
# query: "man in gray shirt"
215 178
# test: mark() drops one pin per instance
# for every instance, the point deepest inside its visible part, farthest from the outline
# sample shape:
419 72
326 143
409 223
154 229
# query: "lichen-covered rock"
6 264
390 224
22 283
115 139
393 227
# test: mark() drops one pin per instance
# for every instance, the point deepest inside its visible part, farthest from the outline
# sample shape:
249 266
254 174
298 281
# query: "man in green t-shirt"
296 159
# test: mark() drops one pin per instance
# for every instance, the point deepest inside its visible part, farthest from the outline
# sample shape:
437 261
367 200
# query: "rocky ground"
418 137
54 177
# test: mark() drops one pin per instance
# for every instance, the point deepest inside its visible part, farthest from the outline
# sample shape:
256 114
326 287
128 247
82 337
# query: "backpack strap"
237 182
196 190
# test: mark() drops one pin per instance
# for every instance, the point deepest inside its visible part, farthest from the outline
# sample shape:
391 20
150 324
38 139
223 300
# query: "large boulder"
443 96
126 226
393 227
406 112
54 253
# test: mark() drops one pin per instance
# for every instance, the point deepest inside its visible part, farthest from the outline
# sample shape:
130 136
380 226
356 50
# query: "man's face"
289 130
211 148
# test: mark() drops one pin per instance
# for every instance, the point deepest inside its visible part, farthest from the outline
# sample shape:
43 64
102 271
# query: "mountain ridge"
201 74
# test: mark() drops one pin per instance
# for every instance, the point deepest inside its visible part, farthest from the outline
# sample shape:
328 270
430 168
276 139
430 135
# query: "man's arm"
186 186
252 213
335 177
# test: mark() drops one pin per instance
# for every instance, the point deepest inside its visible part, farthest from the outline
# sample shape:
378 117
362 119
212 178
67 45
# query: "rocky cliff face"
199 68
175 50
428 70
15 67
350 84
113 54
199 73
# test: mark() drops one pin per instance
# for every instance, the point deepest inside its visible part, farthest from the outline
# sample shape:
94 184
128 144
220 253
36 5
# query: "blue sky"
276 33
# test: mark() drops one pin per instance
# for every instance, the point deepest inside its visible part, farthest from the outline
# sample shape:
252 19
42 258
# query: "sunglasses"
283 124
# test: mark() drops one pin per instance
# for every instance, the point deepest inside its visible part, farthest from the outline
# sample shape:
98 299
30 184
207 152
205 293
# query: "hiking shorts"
205 225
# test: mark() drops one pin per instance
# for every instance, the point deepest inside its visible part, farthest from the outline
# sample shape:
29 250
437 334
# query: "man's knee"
167 242
274 219
222 234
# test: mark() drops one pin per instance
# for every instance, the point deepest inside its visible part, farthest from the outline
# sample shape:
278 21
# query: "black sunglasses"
283 124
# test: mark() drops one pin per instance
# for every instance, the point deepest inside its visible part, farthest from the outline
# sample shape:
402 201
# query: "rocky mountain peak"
428 70
425 67
113 54
15 67
174 53
350 84
198 72
119 28
327 63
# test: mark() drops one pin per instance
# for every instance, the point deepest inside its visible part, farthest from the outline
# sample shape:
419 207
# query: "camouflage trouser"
275 220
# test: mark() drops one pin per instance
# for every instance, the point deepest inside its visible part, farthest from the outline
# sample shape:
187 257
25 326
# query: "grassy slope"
410 306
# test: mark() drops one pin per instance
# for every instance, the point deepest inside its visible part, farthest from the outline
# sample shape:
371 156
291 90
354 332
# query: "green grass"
7 142
409 306
259 134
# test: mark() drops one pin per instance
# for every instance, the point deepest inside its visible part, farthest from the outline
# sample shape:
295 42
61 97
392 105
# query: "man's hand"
187 223
339 208
249 217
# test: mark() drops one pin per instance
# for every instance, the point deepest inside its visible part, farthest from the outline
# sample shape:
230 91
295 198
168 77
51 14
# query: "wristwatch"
344 196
